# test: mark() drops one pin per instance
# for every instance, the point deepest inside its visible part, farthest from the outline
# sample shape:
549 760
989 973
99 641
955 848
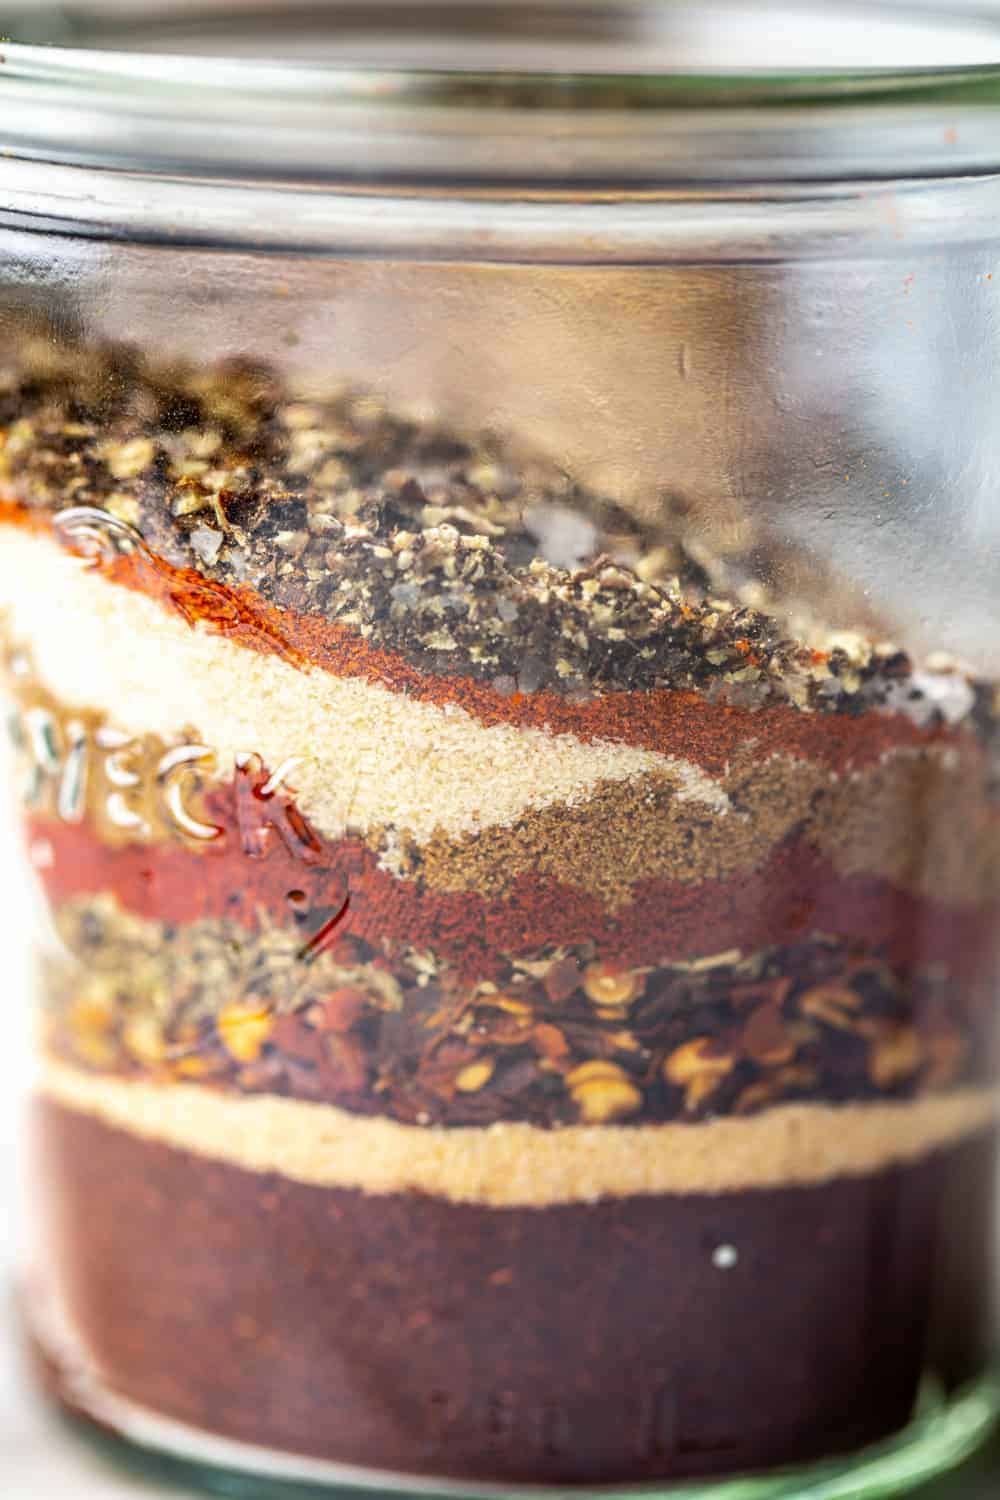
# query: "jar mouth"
613 92
775 43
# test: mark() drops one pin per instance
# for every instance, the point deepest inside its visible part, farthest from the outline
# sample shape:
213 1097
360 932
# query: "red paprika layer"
669 722
796 891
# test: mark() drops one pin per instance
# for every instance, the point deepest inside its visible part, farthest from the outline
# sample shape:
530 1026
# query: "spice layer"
795 891
200 1289
555 1039
467 557
516 1164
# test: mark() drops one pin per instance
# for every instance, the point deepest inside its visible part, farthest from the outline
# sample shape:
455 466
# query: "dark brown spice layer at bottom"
579 1343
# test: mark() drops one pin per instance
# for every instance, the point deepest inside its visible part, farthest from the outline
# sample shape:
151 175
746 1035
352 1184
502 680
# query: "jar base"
944 1433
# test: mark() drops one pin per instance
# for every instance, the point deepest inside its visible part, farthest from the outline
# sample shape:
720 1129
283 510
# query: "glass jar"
498 543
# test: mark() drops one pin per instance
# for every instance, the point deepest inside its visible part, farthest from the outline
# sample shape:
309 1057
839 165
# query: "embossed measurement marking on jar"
73 765
651 1412
143 789
545 1429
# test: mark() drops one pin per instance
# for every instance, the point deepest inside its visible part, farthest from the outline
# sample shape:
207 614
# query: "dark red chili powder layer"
674 723
413 1334
795 892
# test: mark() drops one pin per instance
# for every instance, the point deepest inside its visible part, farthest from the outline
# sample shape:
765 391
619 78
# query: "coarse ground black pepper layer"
452 552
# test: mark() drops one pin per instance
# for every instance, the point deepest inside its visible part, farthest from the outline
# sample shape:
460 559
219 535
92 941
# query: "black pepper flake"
428 545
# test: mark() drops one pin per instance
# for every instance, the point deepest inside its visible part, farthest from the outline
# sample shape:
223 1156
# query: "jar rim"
92 94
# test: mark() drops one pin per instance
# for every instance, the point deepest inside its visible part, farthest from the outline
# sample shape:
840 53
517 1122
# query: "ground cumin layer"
924 821
792 893
516 1164
697 1335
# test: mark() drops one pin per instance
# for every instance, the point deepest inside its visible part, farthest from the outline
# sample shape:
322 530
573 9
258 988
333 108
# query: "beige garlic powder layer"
512 1164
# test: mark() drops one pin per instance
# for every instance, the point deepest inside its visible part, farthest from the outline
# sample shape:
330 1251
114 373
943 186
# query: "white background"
38 1459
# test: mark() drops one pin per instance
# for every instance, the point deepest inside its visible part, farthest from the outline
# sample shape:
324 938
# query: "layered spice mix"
449 866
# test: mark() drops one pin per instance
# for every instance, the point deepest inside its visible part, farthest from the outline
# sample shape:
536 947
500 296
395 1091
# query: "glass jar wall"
502 629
